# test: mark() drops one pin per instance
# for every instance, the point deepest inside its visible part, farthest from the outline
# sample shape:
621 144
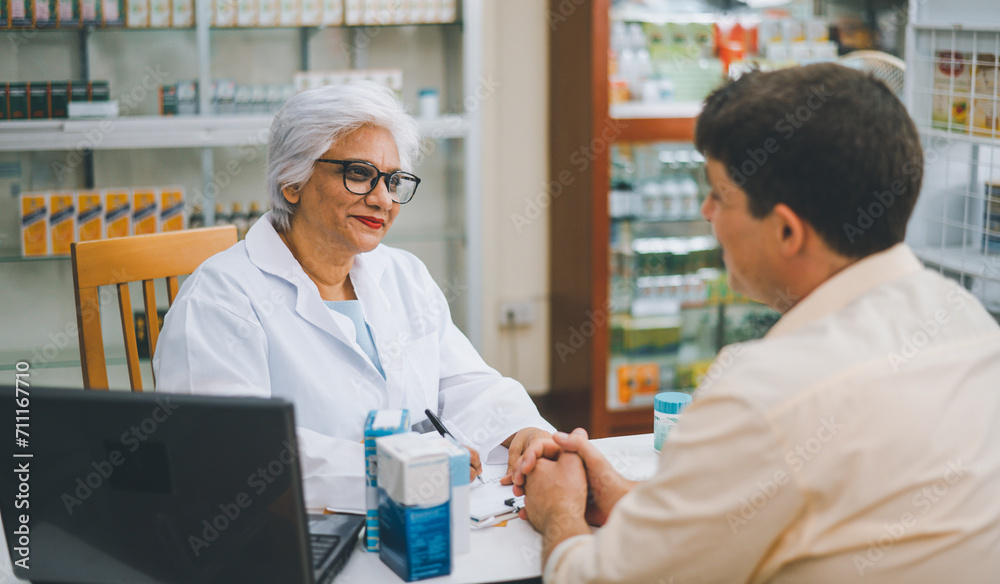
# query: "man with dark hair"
860 438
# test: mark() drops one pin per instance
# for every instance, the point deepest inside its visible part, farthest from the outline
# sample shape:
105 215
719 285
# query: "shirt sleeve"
722 497
480 407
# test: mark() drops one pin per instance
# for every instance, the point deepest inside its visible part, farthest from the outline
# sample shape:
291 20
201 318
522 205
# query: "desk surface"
511 552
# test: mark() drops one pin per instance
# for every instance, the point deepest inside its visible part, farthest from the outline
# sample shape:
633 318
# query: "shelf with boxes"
139 148
74 14
171 132
953 95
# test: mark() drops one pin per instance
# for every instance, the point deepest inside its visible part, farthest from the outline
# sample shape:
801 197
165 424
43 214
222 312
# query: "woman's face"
336 219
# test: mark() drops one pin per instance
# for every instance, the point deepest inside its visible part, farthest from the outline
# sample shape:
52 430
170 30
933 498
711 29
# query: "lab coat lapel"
369 269
269 253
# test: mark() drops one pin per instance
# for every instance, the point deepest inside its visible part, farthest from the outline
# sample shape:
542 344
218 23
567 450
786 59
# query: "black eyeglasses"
362 177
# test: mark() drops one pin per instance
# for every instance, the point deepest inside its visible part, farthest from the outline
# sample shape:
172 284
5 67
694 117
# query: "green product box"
4 20
100 91
38 100
17 100
78 91
3 99
59 99
69 13
90 12
19 13
44 13
112 13
168 100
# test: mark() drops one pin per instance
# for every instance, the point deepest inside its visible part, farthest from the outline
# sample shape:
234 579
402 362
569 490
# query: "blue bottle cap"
671 402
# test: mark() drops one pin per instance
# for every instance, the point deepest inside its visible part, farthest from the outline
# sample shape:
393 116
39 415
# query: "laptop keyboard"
322 545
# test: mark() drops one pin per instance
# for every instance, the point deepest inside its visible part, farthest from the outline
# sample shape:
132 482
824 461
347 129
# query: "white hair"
311 122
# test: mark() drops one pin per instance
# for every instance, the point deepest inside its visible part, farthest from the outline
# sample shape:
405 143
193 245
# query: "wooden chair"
122 260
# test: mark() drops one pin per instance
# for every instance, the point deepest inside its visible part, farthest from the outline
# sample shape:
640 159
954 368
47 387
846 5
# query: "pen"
444 432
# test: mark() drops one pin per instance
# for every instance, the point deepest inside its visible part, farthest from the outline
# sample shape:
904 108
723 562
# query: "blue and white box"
379 423
414 484
460 487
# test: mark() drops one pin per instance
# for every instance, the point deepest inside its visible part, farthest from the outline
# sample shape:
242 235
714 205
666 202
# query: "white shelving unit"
948 89
170 132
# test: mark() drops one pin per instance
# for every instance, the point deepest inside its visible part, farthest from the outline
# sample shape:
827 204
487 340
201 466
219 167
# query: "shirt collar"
268 252
847 285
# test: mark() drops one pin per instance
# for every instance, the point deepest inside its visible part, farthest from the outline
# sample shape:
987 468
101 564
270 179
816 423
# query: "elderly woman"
311 308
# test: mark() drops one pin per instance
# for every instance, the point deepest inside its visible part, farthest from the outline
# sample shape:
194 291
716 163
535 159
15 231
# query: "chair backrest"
117 262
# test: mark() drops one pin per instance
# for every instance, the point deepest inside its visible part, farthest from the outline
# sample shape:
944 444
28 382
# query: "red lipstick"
373 222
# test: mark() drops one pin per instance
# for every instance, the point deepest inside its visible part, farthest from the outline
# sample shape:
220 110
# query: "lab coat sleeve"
206 348
481 407
722 497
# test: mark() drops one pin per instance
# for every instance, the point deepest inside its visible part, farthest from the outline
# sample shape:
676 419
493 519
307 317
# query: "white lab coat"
250 322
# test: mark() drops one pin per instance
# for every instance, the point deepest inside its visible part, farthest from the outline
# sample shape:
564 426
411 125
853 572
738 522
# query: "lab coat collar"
269 253
847 285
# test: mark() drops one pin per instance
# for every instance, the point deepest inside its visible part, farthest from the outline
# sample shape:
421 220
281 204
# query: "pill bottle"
428 105
667 408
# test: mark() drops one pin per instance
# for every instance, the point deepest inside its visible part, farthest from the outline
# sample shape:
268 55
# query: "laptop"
120 487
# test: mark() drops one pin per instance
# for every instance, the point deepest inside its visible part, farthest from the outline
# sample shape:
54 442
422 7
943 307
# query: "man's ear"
291 194
792 230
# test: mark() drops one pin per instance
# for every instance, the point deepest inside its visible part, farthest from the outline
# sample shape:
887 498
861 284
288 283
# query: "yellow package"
62 222
144 211
172 209
117 213
34 225
89 215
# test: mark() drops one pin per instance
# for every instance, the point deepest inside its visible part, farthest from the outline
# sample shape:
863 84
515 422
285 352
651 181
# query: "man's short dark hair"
833 144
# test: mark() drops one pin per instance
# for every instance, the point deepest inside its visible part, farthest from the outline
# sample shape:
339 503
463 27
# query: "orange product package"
117 213
172 209
34 225
89 215
144 211
62 222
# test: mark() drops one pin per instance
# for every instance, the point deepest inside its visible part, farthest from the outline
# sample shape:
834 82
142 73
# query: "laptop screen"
123 487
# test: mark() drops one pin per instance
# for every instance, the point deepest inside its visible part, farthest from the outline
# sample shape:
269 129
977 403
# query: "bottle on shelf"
239 219
254 214
671 188
221 217
688 186
197 217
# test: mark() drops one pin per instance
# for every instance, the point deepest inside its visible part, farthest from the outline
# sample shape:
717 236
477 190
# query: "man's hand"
604 485
475 466
517 444
556 500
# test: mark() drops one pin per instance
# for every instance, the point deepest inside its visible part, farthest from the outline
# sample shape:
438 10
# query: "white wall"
515 156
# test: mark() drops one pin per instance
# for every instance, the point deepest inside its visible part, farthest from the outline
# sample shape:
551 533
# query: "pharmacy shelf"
642 109
962 260
128 133
957 136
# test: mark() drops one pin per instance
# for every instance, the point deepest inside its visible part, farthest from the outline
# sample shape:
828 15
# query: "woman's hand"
517 445
475 466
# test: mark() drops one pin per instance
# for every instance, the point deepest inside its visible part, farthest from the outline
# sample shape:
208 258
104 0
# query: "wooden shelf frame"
581 134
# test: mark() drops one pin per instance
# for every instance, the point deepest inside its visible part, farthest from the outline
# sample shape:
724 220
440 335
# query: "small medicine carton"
414 486
89 215
379 423
117 213
62 222
172 209
34 225
145 211
460 487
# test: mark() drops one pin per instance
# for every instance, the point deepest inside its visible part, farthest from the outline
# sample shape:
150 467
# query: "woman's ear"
291 194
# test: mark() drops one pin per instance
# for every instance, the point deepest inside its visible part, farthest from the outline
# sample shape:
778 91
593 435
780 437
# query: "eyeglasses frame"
378 176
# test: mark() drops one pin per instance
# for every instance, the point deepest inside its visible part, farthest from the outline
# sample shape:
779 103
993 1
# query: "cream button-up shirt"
858 441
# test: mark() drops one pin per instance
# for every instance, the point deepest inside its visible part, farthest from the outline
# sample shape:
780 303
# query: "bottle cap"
671 402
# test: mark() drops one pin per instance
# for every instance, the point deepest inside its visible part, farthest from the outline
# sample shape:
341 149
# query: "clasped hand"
566 476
